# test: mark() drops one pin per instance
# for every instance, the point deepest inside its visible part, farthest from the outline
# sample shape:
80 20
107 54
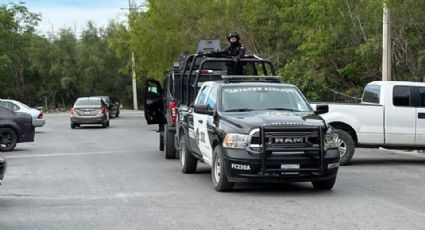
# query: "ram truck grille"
289 143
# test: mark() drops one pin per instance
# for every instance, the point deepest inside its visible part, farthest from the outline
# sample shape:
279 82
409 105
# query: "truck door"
206 123
400 117
419 96
153 102
199 123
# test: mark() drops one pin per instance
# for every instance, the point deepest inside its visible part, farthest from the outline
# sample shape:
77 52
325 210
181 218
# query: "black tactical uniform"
235 51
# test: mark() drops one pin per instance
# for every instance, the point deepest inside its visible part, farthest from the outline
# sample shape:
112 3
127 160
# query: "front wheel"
346 147
218 173
8 139
324 184
188 162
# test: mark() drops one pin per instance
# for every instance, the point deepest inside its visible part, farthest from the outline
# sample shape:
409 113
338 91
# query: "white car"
37 116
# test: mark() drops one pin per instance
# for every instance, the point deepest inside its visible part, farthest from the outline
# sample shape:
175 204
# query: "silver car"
89 110
16 106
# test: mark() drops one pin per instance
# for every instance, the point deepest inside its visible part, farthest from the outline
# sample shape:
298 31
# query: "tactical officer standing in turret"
235 51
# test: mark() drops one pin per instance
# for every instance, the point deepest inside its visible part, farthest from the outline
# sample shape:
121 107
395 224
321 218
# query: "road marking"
119 196
16 156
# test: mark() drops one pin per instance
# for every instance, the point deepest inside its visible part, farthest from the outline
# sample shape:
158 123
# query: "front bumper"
27 134
283 167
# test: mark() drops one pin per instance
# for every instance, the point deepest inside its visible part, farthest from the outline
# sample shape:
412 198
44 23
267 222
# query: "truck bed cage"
218 57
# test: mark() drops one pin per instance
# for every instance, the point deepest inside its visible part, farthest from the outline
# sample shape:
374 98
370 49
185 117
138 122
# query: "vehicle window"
263 98
4 110
212 97
401 96
3 103
421 92
177 87
371 94
202 95
88 102
9 105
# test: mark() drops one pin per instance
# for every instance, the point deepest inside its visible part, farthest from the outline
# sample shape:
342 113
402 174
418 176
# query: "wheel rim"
183 154
342 147
5 139
217 169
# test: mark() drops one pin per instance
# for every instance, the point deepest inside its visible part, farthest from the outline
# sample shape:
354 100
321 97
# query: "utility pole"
386 45
133 64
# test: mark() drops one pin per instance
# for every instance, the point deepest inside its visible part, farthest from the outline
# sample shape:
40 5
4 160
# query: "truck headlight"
331 140
235 140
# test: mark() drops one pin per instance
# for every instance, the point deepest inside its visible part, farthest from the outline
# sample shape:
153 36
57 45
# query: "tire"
107 124
188 162
346 147
161 141
170 150
324 184
218 173
8 139
73 126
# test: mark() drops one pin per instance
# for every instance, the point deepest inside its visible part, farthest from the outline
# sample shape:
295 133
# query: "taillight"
102 110
40 116
72 111
173 110
206 71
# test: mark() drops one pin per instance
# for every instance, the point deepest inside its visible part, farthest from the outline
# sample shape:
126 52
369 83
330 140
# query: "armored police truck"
251 128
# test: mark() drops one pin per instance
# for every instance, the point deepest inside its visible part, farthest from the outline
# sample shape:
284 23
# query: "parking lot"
116 178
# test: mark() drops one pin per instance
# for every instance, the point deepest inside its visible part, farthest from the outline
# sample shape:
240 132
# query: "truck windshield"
248 98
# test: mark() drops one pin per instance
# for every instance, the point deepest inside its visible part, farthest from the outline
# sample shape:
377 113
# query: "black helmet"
233 34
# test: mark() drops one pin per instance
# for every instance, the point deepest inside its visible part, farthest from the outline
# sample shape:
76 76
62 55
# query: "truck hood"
243 122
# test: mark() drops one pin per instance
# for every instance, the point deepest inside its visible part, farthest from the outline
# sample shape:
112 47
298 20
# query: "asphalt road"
116 178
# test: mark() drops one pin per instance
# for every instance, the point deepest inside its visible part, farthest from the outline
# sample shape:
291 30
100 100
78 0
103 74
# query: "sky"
75 14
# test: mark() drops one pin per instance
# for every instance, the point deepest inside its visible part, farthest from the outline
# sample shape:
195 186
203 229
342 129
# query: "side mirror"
203 109
321 109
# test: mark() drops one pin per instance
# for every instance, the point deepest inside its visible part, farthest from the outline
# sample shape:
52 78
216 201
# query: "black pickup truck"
247 128
254 131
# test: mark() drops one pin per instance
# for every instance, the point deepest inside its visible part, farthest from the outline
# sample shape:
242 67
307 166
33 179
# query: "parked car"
15 127
89 110
3 166
114 107
391 114
37 116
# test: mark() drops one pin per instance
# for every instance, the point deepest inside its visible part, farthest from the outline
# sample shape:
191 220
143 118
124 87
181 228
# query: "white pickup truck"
391 114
